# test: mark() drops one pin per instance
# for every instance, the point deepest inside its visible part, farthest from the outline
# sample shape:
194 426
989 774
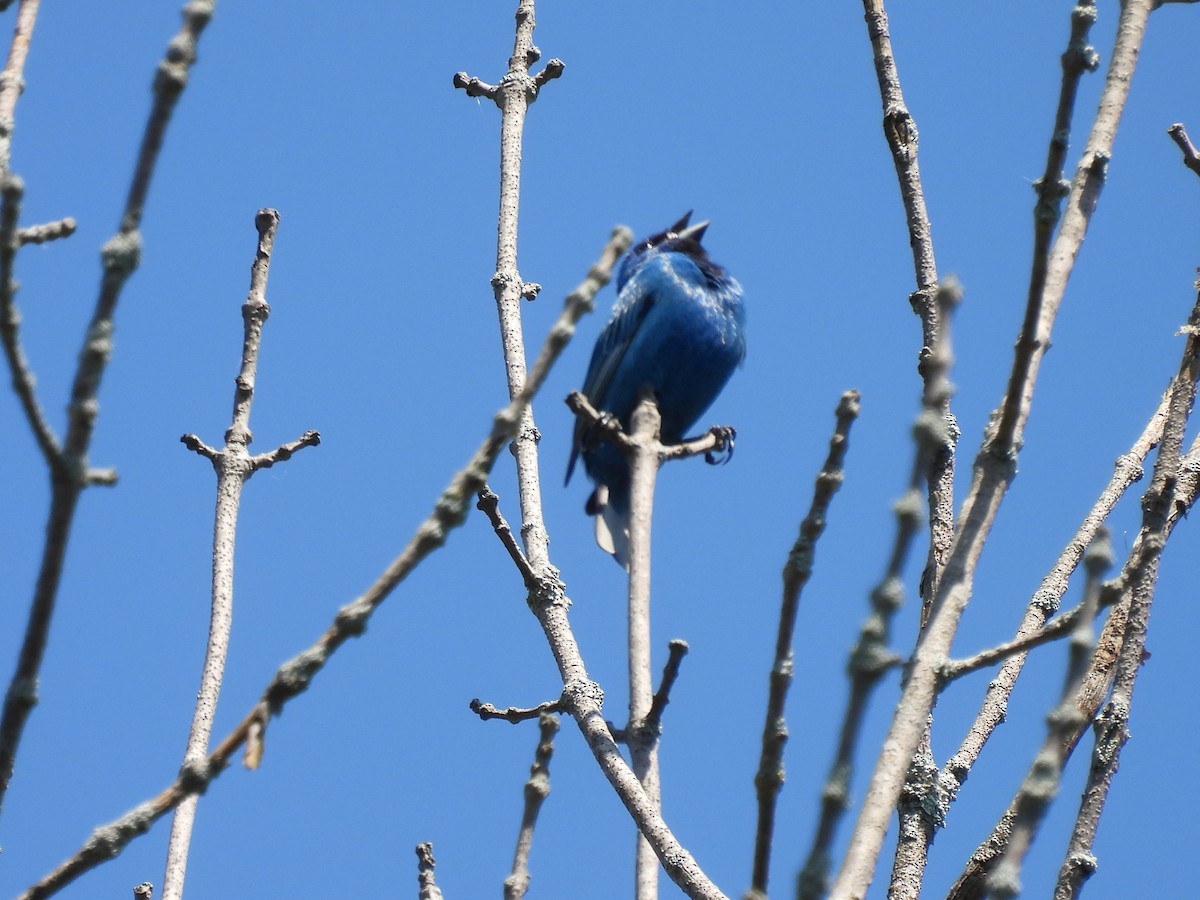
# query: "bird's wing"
632 308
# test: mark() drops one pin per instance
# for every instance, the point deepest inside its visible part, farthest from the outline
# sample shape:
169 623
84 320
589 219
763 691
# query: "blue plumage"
678 327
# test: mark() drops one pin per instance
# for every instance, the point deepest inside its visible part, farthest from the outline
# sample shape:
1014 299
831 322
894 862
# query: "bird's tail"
612 522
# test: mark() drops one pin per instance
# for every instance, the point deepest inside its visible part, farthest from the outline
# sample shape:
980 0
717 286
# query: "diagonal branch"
294 676
72 473
768 782
1162 505
23 380
1014 834
993 472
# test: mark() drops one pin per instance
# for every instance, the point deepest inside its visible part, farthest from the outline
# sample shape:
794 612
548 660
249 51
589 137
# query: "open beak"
694 232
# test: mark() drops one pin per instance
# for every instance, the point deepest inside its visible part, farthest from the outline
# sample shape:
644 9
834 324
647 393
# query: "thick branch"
641 735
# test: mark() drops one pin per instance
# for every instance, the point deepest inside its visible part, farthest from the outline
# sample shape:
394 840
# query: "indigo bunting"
677 328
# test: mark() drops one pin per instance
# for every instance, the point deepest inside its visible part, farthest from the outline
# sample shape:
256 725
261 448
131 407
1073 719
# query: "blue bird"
678 328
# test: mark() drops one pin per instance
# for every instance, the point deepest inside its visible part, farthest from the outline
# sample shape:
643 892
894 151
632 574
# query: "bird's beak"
694 232
681 224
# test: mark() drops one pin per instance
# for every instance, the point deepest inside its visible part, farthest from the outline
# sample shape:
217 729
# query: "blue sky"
383 337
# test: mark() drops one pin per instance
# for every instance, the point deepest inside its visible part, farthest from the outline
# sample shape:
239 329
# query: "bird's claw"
723 452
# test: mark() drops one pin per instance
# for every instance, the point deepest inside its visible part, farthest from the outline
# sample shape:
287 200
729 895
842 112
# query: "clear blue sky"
765 119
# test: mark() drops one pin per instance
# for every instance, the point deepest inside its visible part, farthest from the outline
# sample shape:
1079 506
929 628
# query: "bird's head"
679 238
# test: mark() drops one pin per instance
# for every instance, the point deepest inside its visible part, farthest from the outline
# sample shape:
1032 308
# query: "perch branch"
547 597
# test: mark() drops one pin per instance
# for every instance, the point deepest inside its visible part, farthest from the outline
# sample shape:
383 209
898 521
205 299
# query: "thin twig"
233 466
489 504
120 257
1060 627
993 472
1051 189
12 83
295 675
716 444
514 714
425 865
23 380
50 231
1092 685
1191 156
1161 506
537 789
936 456
1065 724
768 782
676 651
513 95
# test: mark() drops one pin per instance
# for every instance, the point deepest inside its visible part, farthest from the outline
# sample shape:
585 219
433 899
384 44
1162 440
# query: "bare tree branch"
295 675
425 865
993 472
582 697
1064 726
1161 506
12 79
233 466
72 473
50 231
641 734
1060 627
1089 686
1191 157
23 380
514 714
768 782
489 504
676 651
537 789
